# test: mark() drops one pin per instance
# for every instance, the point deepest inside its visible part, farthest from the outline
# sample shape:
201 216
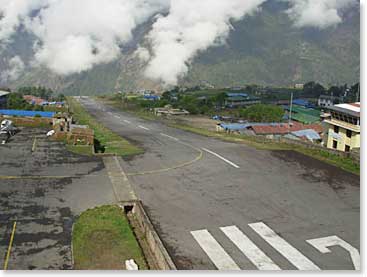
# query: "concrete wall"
30 121
162 259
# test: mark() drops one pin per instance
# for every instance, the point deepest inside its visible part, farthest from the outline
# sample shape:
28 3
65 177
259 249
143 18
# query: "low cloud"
317 13
75 35
189 28
13 13
15 69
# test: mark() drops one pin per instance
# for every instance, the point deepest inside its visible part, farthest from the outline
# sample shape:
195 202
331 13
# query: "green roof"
308 111
305 118
305 115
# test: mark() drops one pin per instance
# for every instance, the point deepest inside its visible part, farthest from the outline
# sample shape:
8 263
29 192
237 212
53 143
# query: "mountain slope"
263 49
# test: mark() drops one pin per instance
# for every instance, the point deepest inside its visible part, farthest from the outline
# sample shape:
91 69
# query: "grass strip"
107 141
103 239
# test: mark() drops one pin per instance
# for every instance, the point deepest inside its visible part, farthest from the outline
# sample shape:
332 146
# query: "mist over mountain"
264 47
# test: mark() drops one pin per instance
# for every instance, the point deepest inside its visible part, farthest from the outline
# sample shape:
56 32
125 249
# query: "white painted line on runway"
127 121
214 250
247 247
323 244
220 157
142 127
288 251
168 136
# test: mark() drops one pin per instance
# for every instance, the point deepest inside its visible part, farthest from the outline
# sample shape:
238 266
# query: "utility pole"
290 112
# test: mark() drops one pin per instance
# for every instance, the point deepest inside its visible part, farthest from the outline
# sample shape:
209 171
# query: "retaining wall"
160 255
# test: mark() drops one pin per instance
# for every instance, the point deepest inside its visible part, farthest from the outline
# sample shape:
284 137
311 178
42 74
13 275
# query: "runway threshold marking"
168 136
142 127
220 157
10 246
284 248
247 247
214 250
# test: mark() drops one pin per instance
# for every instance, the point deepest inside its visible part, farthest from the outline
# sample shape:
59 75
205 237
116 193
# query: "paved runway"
221 205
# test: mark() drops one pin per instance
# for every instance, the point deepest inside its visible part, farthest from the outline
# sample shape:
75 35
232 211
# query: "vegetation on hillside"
262 113
17 102
265 49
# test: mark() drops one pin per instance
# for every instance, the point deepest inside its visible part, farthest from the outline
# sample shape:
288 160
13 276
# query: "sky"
72 36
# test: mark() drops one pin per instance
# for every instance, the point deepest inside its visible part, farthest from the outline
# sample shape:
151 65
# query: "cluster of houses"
61 123
34 100
240 99
339 128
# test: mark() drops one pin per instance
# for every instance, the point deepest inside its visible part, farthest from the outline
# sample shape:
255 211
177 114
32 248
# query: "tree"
39 91
336 91
262 113
189 103
220 99
60 97
312 89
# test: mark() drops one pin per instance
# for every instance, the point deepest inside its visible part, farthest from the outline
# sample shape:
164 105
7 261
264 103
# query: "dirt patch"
318 171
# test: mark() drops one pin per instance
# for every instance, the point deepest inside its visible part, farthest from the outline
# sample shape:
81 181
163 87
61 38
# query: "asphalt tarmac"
43 188
221 205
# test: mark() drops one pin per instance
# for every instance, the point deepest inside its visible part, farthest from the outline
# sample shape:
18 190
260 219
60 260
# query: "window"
349 133
335 144
347 148
336 129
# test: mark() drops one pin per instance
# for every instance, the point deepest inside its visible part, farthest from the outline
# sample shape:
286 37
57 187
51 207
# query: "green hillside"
263 49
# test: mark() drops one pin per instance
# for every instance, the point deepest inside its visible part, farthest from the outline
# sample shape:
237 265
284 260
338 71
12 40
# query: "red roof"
33 99
284 128
357 104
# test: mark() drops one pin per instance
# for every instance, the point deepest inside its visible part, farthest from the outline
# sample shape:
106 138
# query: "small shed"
81 134
62 122
309 134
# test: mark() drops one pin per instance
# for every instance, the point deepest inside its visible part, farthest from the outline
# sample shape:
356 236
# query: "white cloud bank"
13 13
75 35
15 69
317 13
191 27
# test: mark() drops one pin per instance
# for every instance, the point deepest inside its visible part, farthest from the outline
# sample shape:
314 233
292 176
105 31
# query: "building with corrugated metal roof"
3 99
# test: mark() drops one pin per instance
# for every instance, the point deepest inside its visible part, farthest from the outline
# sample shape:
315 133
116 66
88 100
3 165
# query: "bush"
262 113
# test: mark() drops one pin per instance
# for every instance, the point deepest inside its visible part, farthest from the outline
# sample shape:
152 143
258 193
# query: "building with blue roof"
303 102
235 94
24 113
151 97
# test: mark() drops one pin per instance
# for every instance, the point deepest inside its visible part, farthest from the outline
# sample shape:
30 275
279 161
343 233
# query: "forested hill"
264 49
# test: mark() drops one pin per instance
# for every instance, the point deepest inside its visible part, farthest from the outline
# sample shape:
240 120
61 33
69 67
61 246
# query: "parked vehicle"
7 130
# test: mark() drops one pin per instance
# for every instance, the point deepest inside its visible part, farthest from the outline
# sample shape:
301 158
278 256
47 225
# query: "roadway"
221 205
